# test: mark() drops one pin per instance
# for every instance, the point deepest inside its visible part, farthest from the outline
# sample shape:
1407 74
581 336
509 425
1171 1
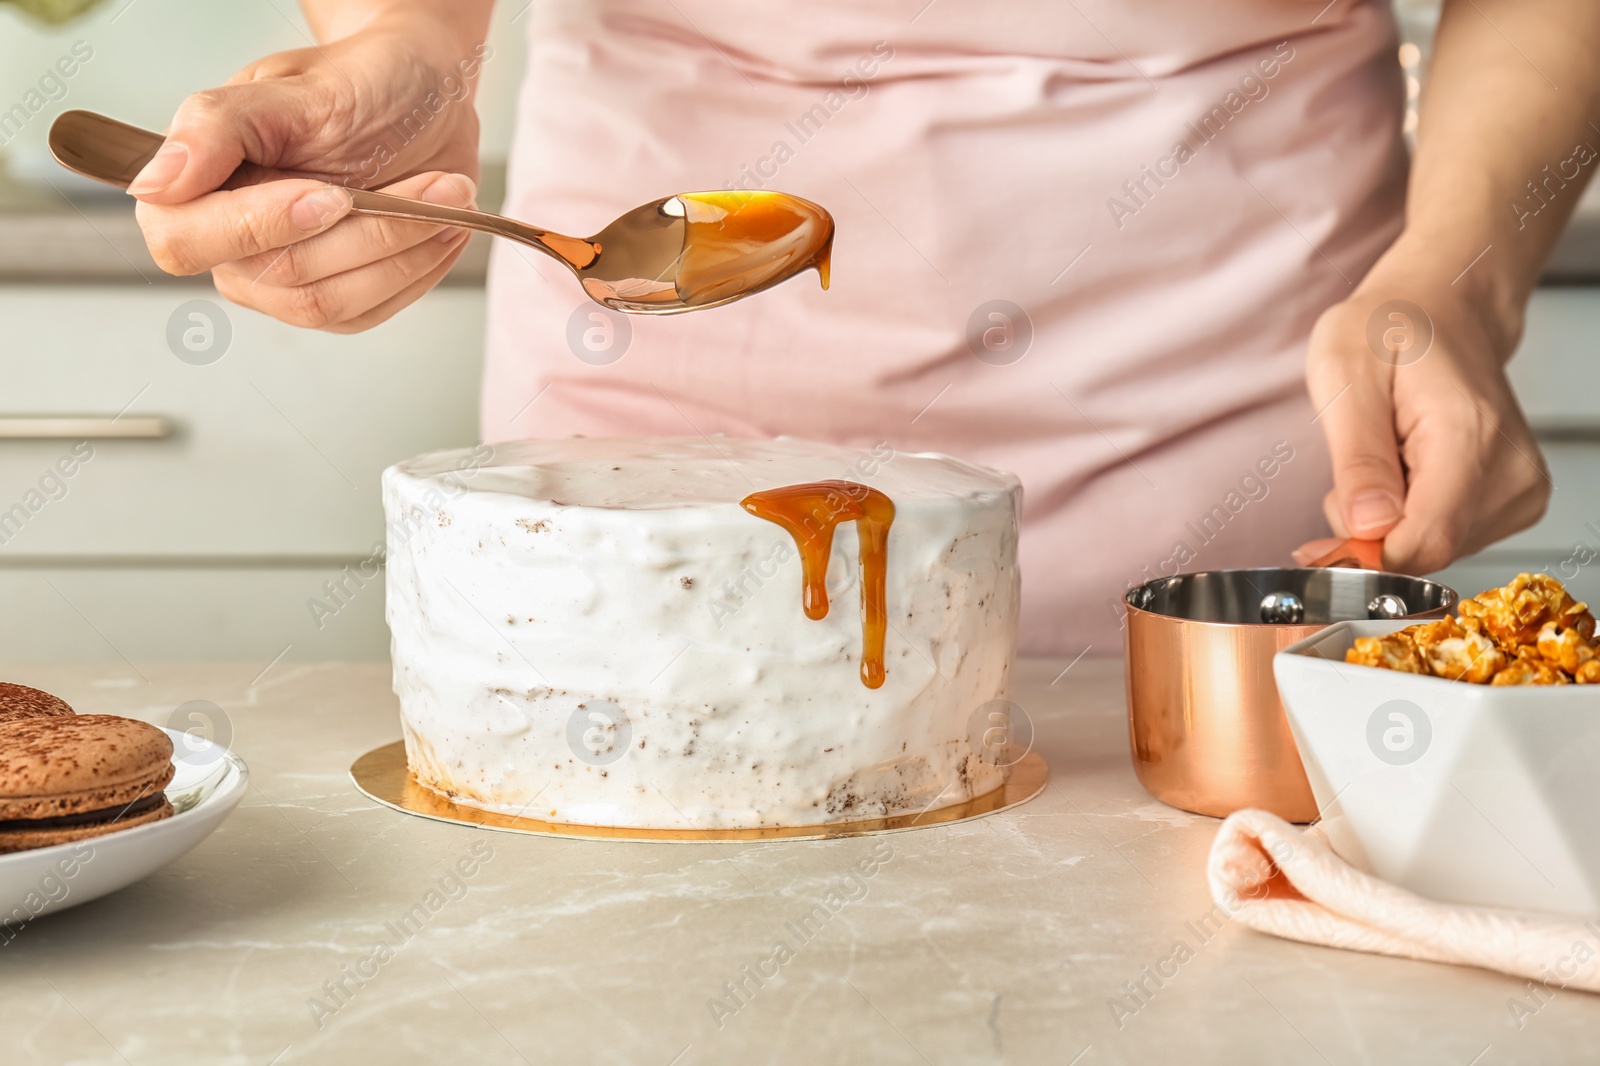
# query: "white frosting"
551 601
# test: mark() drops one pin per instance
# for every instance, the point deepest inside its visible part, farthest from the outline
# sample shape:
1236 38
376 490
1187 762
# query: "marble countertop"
1001 940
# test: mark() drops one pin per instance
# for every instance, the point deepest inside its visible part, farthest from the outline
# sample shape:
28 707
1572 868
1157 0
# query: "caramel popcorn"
1565 648
1458 652
1531 632
1530 672
1514 615
1392 651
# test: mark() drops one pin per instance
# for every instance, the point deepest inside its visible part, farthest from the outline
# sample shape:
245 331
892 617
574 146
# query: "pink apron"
1084 242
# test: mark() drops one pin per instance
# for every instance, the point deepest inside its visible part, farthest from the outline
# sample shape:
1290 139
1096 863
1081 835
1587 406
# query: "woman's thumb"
212 133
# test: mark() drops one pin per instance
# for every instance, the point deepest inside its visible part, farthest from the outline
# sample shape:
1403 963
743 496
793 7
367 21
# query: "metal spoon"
679 253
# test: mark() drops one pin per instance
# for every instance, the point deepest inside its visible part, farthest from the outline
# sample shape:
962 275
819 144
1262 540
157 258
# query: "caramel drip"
810 513
737 241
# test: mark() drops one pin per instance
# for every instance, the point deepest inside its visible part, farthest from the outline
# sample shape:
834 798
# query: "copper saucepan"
1209 734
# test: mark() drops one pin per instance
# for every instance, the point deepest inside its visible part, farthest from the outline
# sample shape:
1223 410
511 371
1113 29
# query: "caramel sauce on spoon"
811 512
701 249
745 241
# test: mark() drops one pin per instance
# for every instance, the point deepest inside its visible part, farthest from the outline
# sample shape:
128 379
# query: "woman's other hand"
1431 452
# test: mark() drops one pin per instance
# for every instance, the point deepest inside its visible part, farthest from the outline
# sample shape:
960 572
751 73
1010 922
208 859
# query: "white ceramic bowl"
1459 792
208 782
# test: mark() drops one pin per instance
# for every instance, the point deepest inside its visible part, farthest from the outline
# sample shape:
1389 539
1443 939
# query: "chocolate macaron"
70 778
19 701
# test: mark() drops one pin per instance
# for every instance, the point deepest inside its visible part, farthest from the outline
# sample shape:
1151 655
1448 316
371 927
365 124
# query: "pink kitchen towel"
1281 879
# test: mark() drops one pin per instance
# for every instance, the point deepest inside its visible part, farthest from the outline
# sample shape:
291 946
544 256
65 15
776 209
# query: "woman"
1161 260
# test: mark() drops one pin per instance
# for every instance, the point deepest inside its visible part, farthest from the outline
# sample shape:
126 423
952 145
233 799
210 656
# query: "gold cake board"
381 774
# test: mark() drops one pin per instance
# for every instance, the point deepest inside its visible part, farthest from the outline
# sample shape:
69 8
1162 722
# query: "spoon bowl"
680 253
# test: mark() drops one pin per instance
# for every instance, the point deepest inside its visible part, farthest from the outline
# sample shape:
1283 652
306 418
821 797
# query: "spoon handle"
569 250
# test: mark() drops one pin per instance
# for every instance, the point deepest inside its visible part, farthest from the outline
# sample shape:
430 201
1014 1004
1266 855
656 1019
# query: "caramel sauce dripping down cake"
811 512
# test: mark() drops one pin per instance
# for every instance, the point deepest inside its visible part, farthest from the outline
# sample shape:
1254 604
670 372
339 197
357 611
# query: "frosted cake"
621 632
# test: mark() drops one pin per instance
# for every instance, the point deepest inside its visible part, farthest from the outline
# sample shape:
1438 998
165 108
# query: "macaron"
64 778
19 701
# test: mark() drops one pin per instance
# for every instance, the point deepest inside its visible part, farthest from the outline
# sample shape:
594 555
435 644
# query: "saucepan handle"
1353 554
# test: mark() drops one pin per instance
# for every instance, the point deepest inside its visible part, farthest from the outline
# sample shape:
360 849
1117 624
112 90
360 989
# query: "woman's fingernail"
1373 508
316 209
1300 556
162 170
449 234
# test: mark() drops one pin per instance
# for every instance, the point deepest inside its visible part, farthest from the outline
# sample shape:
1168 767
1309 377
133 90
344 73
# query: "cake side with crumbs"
596 631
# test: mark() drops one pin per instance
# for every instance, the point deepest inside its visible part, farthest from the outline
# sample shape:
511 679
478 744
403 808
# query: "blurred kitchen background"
230 509
239 489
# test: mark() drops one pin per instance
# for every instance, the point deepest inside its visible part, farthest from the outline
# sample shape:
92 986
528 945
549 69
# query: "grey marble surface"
1002 940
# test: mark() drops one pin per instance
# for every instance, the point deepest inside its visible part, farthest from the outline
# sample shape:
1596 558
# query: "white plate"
1459 792
207 784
